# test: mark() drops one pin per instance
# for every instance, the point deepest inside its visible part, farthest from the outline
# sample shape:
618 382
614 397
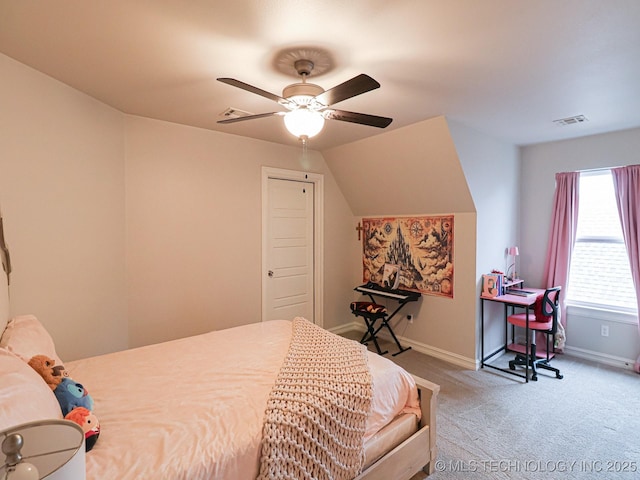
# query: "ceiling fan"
309 105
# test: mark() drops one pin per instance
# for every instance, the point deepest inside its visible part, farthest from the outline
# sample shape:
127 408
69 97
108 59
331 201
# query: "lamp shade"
55 447
303 122
513 251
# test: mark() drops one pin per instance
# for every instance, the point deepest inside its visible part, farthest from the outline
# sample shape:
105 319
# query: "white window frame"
598 310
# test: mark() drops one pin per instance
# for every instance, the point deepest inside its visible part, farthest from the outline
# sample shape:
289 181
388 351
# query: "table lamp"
512 252
45 449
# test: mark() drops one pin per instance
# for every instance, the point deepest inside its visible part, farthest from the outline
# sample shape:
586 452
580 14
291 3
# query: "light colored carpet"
493 425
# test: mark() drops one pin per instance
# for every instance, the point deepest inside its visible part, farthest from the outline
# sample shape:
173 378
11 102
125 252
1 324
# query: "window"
600 275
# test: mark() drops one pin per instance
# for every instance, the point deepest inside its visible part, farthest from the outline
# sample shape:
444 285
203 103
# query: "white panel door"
290 250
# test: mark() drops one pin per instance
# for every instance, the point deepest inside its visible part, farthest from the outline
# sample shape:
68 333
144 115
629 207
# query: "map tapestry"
422 247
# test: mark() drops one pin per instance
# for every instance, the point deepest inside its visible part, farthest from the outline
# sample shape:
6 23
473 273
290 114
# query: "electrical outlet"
410 318
604 330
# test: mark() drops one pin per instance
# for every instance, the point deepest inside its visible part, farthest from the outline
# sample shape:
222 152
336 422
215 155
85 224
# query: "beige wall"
540 163
126 231
194 229
410 171
407 171
492 170
192 220
62 194
120 227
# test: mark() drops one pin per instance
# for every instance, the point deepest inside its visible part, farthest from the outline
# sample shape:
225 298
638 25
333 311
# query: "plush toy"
71 394
89 423
75 402
48 370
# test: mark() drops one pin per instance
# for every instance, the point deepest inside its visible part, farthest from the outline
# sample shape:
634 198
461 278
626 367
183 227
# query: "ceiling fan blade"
250 88
361 118
356 86
251 117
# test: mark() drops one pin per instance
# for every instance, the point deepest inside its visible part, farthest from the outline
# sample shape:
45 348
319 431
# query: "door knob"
270 273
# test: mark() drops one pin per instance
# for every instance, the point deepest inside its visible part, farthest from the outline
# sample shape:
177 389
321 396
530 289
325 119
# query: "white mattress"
193 408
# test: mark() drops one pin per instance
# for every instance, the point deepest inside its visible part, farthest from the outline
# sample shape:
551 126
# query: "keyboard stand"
401 296
370 320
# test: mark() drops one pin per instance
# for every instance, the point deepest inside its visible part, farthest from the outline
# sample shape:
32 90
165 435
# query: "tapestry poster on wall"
421 247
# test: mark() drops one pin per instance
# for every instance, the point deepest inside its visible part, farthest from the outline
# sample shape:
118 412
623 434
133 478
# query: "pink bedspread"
193 408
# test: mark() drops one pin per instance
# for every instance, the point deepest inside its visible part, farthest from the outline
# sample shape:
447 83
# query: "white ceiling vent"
571 120
234 113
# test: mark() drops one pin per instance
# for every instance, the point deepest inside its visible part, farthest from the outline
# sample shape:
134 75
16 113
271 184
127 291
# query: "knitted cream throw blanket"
317 410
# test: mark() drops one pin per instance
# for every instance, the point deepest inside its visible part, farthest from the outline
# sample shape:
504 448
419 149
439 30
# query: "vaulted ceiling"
503 67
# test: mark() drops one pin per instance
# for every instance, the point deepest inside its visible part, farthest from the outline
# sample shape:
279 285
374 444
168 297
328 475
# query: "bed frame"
418 452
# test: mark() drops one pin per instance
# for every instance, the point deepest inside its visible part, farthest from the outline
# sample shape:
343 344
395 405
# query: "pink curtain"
626 182
562 237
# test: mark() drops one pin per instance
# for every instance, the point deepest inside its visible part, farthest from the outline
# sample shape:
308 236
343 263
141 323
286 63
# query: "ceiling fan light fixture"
301 93
304 122
308 104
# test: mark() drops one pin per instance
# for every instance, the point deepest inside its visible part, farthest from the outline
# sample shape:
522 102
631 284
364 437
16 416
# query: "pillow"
24 397
537 310
25 336
368 307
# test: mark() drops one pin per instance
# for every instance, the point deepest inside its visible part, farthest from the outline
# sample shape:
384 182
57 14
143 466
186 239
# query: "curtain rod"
593 170
609 168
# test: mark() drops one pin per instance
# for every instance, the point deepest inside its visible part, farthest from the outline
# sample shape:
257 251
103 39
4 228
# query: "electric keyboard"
397 294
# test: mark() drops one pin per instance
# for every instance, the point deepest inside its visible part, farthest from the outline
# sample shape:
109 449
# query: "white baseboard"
435 352
599 357
347 327
473 364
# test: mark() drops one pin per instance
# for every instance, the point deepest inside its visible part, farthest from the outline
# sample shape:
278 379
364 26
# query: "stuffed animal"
71 394
75 402
89 423
48 370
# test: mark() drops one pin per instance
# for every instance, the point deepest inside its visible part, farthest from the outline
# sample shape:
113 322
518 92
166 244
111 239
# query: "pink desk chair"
544 319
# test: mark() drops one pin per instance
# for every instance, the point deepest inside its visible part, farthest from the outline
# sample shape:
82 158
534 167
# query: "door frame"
318 234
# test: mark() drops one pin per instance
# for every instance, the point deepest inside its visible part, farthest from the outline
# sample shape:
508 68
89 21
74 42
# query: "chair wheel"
559 376
512 365
534 378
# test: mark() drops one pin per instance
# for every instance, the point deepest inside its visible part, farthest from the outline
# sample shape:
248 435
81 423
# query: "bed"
198 407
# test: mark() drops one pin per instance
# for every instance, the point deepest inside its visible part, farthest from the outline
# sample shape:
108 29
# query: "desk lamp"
512 252
45 449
